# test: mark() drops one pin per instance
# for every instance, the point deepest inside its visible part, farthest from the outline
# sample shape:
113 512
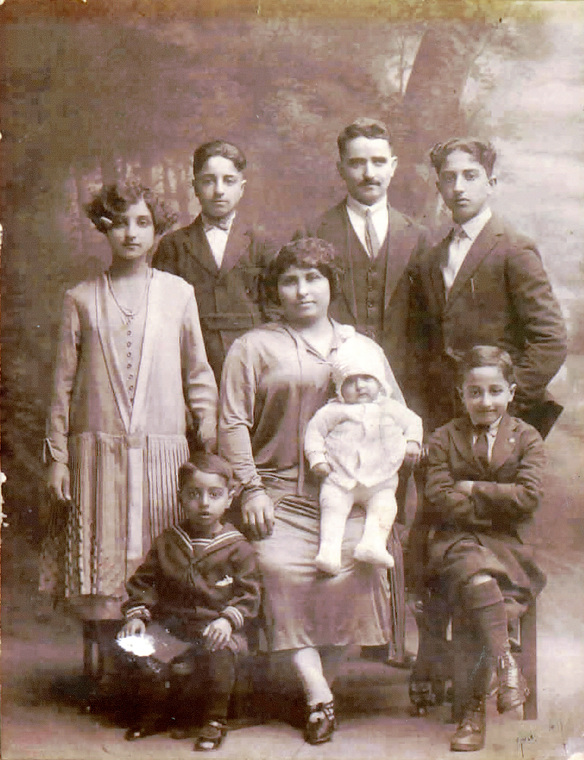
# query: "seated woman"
275 377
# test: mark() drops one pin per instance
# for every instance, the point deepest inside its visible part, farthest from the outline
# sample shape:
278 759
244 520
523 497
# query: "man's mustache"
369 182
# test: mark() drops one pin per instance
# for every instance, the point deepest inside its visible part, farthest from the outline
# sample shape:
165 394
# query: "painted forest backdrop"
99 90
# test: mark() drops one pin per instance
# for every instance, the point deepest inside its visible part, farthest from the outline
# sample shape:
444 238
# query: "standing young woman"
131 370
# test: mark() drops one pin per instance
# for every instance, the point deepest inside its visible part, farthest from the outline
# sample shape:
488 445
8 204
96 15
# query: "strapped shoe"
513 690
210 736
320 724
470 734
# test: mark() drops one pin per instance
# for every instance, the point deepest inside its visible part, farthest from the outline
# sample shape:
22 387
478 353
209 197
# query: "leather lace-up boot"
470 734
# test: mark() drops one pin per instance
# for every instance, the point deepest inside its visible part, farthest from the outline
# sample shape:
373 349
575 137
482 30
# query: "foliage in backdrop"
103 90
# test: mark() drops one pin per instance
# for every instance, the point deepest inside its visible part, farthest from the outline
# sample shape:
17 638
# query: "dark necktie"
481 446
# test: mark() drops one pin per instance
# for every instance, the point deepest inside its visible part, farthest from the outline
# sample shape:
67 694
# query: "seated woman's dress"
273 382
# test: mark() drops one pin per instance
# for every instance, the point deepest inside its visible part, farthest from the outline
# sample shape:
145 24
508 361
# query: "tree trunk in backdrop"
431 108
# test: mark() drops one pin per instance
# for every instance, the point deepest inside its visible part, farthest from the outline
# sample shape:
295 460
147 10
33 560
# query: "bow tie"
220 224
457 234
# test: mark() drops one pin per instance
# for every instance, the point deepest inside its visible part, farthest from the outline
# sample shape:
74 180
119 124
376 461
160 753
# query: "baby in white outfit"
357 443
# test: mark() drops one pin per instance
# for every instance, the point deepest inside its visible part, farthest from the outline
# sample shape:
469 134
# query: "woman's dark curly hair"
113 200
305 253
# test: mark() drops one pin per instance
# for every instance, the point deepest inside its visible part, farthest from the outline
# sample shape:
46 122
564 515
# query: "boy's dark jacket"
227 296
196 580
505 496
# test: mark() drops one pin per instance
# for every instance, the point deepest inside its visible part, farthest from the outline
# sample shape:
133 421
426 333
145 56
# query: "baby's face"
360 389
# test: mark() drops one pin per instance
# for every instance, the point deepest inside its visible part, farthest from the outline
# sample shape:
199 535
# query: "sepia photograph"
292 379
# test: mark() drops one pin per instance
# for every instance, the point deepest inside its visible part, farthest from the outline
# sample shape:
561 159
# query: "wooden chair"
459 657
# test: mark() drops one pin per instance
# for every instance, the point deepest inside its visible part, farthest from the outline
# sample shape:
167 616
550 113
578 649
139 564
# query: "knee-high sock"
309 668
486 607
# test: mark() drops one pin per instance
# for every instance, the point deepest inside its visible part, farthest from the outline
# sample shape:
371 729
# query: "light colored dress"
272 384
123 391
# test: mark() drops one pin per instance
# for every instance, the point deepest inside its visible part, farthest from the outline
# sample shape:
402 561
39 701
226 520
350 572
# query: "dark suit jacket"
506 493
501 296
404 238
227 296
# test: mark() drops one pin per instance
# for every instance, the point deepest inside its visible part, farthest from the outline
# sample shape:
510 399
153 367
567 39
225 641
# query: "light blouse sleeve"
199 384
56 442
236 411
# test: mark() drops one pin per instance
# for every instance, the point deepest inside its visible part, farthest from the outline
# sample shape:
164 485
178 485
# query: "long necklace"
129 314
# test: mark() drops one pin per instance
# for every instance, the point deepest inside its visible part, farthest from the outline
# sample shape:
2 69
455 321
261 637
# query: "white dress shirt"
217 236
379 216
462 240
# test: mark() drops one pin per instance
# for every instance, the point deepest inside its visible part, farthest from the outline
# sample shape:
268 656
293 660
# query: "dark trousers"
197 685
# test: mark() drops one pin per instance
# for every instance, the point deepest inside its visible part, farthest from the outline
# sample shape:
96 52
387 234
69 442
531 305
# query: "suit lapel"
481 247
105 318
199 245
435 273
338 229
505 443
237 245
462 439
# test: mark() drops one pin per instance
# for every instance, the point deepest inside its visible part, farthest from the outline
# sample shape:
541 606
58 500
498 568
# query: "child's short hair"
482 152
218 148
485 356
205 462
112 201
373 129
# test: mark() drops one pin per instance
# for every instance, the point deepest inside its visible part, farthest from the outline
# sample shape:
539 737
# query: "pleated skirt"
124 494
306 608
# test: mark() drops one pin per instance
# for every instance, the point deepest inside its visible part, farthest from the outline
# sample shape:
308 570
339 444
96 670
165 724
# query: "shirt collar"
491 430
361 208
474 226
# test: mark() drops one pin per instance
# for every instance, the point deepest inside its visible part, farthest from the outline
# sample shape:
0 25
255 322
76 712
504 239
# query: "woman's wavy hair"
113 200
304 253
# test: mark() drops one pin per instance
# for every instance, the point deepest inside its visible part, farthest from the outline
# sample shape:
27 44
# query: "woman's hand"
58 481
133 627
217 634
257 512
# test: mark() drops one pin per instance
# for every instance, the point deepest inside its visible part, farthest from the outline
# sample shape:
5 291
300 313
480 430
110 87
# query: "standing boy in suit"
484 284
375 244
219 254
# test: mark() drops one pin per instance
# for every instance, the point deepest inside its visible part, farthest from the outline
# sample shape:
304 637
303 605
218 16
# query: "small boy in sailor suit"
357 443
201 582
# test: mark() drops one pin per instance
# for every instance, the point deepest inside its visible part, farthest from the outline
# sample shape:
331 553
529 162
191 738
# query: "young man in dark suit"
376 243
219 254
484 284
